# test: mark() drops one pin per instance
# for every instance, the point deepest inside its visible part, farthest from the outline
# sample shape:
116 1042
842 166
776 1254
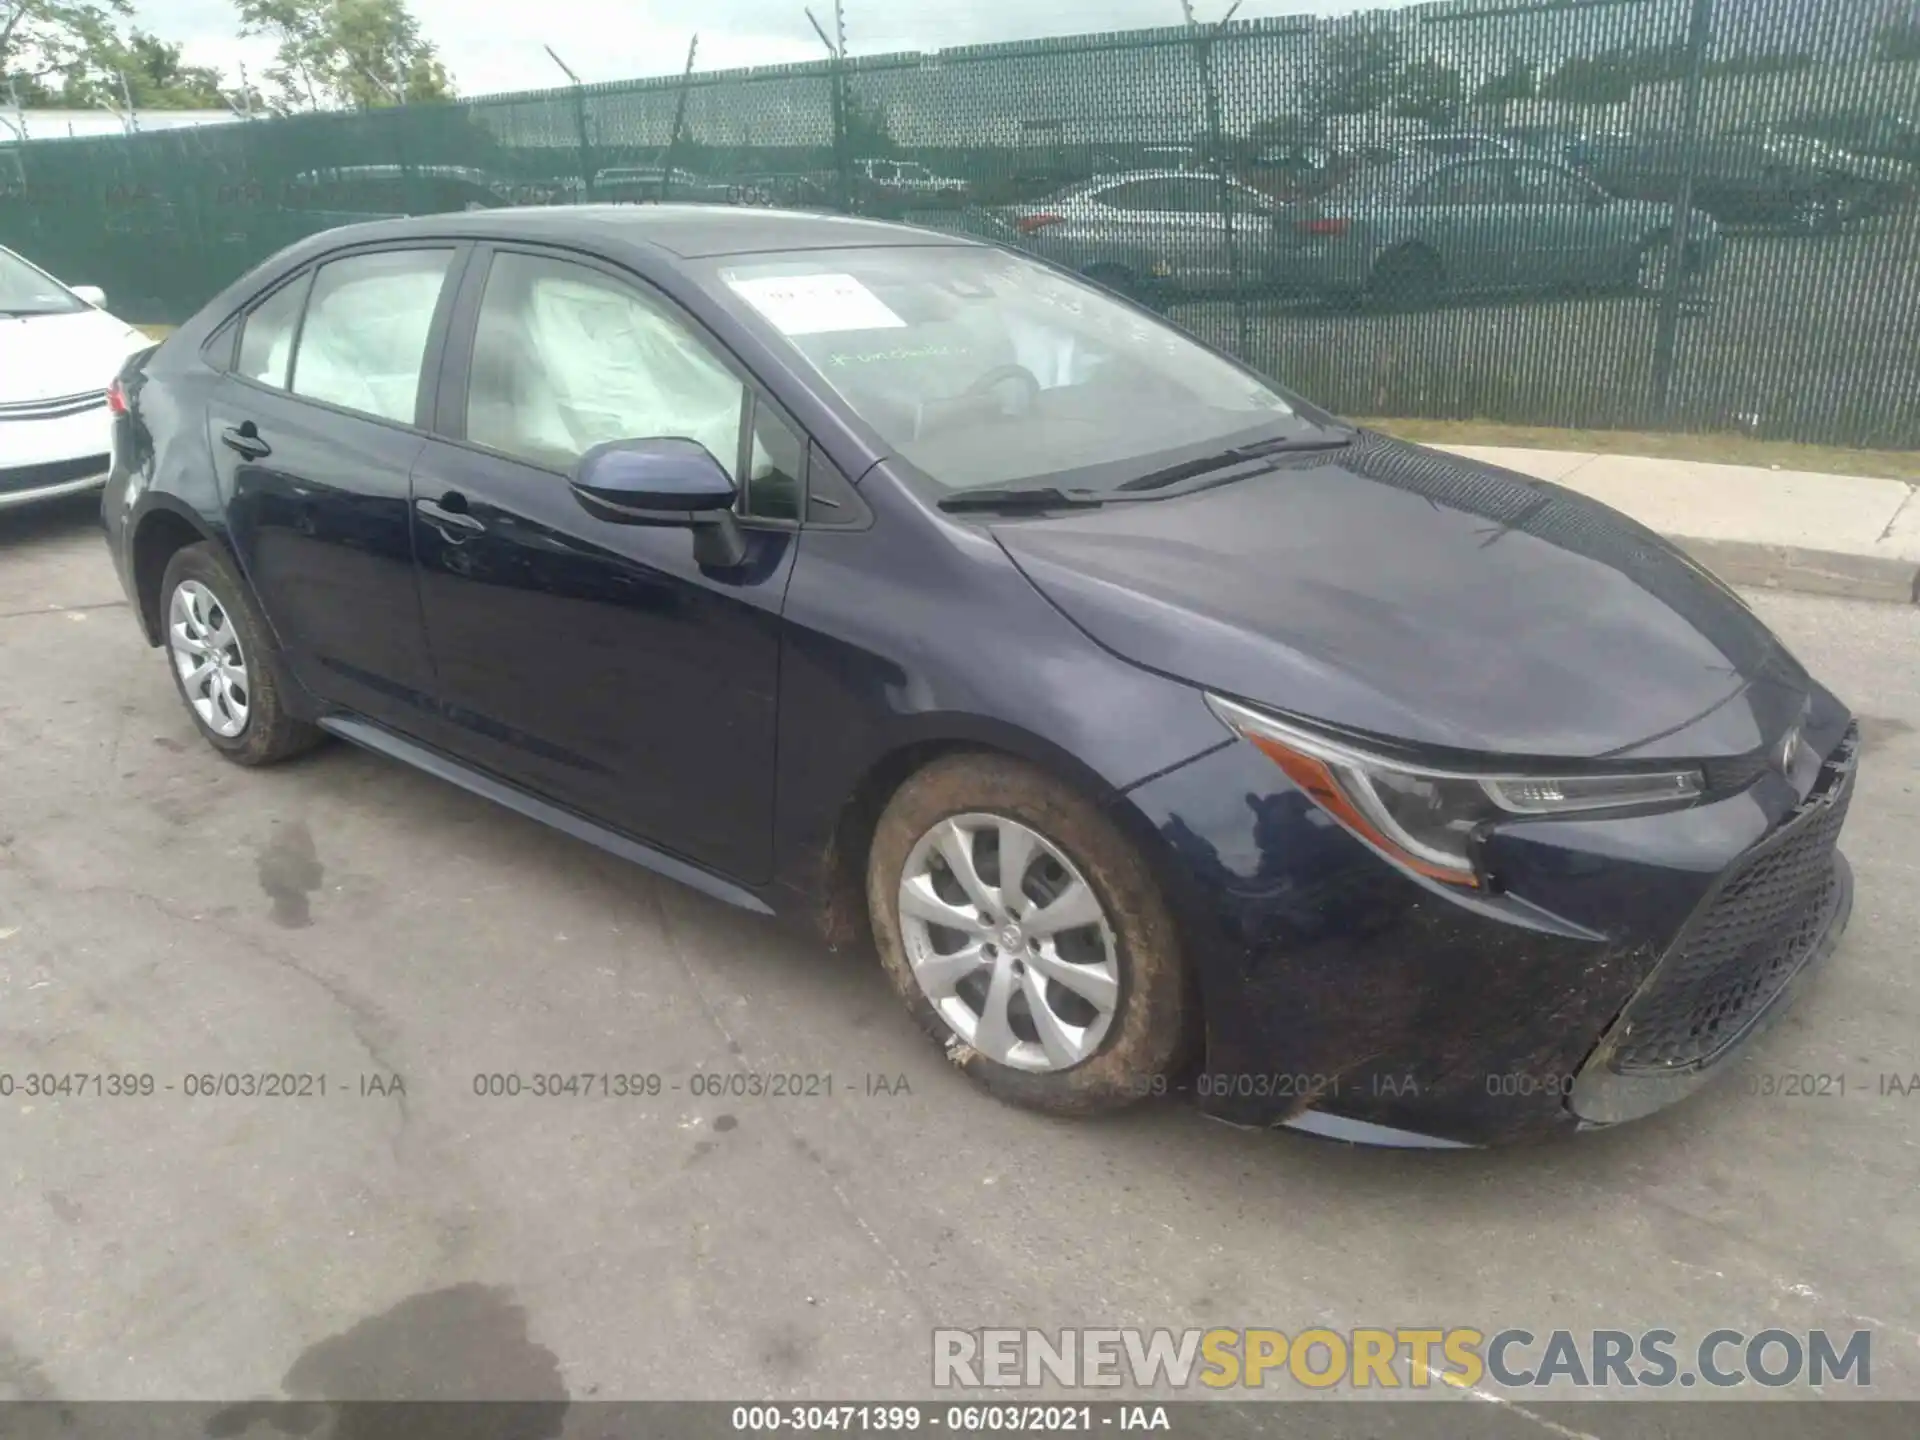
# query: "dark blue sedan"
1159 730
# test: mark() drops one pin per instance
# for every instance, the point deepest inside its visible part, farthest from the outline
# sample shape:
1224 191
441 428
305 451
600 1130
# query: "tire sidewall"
1148 1037
265 735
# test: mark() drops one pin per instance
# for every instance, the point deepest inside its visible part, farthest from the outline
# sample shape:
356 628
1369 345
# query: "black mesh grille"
1749 940
57 472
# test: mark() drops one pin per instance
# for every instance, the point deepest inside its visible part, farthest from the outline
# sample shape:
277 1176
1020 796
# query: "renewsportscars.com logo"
1402 1358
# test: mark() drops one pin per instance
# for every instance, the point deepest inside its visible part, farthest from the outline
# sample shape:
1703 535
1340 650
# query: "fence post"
837 99
1666 333
586 146
679 123
1210 94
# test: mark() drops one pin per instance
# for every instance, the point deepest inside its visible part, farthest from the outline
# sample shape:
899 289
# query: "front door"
596 663
315 434
1465 214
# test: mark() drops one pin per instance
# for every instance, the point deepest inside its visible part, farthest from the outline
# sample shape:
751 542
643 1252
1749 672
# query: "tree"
346 54
1519 81
1360 72
156 77
42 39
1430 90
1610 77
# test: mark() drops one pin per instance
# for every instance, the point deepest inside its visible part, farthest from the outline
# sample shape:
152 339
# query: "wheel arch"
163 530
837 876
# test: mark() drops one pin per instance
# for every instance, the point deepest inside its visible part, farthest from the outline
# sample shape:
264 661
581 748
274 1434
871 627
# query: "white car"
59 351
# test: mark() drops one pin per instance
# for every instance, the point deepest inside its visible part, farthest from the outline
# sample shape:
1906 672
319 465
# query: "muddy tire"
988 805
224 661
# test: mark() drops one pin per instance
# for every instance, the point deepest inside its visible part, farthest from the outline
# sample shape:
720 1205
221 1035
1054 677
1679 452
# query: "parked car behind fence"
1410 233
1752 178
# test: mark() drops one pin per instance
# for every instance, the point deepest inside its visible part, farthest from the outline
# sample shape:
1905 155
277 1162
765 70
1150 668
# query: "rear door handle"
244 439
449 515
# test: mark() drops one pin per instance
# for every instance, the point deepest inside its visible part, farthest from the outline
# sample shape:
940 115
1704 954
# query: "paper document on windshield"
816 304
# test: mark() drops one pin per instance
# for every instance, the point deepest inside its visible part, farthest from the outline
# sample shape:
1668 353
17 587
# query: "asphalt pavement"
407 1234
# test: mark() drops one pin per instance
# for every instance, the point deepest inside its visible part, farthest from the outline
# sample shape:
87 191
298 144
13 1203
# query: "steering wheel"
999 375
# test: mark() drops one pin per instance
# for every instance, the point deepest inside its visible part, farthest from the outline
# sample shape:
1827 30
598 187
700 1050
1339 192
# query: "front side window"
365 336
566 358
985 368
1480 183
266 340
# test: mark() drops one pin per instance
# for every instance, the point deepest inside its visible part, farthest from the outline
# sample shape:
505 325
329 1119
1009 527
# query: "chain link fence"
1692 214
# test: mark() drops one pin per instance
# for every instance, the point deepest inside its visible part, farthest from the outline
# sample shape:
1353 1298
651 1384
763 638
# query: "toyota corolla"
1158 729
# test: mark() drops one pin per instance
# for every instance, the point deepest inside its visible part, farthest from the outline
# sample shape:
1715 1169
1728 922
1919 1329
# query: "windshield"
984 368
27 291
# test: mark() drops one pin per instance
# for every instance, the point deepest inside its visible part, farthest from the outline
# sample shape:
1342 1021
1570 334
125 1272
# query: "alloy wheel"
208 658
1008 942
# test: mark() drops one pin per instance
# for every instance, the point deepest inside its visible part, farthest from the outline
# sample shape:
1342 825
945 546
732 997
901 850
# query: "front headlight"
1423 818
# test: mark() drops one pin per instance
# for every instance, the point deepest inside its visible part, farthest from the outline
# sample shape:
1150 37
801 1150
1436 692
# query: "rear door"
315 429
1571 236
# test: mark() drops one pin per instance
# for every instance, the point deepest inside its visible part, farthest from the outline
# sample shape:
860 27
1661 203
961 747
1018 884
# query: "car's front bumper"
1344 997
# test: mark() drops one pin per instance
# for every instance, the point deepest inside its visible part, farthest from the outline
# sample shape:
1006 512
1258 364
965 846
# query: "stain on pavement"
290 871
458 1347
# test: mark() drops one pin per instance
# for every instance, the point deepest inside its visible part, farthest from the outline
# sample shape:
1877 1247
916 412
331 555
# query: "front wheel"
1027 935
224 663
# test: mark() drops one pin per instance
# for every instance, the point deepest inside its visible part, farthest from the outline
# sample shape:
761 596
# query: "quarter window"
266 341
365 336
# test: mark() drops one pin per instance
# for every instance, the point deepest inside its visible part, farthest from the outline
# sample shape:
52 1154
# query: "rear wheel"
1407 279
224 662
1027 936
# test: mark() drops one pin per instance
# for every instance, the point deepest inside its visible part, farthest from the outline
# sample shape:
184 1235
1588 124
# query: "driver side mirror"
92 294
664 480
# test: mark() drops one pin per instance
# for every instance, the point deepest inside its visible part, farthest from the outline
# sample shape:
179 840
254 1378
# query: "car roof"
687 231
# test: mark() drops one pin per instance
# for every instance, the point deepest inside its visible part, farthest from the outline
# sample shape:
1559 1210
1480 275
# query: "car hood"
49 357
1410 594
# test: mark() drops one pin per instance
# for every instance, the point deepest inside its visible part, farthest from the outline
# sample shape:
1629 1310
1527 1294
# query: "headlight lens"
1423 818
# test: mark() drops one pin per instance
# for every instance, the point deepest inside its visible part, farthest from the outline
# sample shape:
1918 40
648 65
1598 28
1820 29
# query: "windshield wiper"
1034 497
1238 455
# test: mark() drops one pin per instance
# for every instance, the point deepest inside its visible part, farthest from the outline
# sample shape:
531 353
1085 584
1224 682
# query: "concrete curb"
1812 572
1851 536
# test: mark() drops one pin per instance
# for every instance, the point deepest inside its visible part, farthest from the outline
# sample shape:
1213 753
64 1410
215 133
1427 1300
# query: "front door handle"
449 516
244 439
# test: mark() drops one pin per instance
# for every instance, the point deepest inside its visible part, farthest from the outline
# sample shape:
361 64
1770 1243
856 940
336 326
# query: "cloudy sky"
497 46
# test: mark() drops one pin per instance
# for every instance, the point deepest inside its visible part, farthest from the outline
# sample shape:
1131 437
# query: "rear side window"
366 332
266 341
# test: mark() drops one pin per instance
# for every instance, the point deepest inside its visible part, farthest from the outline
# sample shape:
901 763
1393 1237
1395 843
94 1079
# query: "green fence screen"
1692 214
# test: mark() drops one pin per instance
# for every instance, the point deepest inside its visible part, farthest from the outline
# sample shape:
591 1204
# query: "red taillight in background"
1027 224
1323 227
116 398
